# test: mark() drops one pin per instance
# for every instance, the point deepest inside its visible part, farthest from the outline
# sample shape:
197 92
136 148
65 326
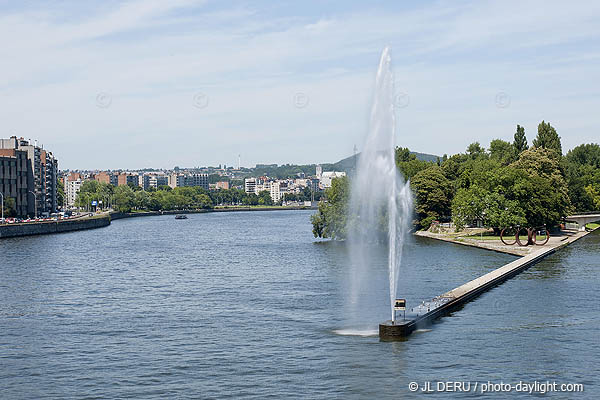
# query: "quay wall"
46 227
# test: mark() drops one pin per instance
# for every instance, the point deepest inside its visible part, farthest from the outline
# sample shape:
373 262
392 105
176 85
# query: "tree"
9 207
408 164
264 198
468 206
403 154
542 191
60 193
141 200
491 208
520 141
433 194
583 175
203 201
475 150
331 217
585 154
502 151
251 199
547 138
124 198
594 192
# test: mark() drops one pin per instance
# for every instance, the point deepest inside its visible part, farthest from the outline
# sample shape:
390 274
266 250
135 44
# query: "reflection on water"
248 305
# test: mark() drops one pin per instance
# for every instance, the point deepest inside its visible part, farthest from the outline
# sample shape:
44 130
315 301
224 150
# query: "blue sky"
162 83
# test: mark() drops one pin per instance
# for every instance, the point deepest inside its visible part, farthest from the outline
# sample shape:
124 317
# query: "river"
250 305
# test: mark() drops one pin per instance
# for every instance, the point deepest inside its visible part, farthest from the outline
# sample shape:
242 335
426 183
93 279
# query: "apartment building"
44 175
16 180
188 179
147 181
72 187
127 179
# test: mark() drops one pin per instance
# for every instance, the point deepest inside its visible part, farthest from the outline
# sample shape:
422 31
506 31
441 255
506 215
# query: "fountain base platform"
398 330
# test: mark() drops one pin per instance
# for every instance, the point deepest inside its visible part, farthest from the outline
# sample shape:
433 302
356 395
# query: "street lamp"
1 194
34 203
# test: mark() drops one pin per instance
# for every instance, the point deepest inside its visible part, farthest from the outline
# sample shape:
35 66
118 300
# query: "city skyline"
110 84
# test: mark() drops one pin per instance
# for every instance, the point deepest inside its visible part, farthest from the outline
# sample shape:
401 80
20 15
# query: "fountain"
381 202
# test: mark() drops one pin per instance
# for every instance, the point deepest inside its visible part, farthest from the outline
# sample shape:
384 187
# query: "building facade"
42 190
148 181
16 180
250 185
128 179
186 179
222 185
327 177
72 187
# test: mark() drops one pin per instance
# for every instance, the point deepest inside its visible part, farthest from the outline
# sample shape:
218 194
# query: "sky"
158 84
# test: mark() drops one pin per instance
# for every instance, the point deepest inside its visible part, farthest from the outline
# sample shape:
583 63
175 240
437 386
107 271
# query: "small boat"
181 216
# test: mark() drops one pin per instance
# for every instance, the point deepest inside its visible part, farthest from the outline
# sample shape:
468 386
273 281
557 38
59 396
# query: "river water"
250 305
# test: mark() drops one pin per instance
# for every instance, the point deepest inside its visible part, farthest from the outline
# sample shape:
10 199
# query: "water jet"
380 201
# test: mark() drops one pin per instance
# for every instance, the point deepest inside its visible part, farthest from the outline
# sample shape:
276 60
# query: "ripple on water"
247 305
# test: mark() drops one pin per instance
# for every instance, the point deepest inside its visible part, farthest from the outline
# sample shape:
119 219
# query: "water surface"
248 304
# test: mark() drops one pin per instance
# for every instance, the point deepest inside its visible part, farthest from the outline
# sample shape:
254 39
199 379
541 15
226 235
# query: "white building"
153 180
327 177
72 190
250 185
275 192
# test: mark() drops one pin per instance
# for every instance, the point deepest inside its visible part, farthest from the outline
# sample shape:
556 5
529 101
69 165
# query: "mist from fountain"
381 202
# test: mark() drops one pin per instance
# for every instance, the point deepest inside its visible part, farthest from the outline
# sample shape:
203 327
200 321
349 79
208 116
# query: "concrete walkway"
424 313
497 245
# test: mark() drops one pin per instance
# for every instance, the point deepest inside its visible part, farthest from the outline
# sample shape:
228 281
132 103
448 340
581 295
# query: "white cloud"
153 56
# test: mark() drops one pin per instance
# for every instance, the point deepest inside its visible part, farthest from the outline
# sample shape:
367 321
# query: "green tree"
124 199
408 164
331 217
403 154
203 201
264 198
433 195
141 200
502 151
583 175
520 141
548 138
474 150
594 192
544 191
60 193
251 199
9 207
491 208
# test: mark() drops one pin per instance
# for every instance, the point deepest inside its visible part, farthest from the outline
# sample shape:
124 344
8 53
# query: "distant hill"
348 163
291 170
